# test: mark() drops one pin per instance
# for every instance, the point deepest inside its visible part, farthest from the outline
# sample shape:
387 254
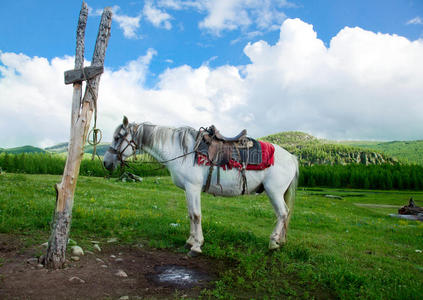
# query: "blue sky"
160 38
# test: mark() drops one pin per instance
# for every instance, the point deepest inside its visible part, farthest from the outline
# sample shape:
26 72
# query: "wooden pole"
80 121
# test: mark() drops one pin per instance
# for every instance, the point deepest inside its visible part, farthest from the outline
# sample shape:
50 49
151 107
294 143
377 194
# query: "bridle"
129 143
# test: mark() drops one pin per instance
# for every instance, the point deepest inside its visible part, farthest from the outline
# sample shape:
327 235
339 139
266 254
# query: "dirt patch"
94 276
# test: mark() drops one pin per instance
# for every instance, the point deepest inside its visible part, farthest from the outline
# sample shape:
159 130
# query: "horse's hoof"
273 245
188 246
192 253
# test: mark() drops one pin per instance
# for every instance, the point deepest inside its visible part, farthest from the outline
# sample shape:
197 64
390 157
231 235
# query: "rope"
94 131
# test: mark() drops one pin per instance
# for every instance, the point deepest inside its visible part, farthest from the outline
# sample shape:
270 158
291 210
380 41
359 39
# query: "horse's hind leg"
278 236
196 239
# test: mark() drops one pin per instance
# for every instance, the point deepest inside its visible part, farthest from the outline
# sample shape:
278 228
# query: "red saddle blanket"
267 155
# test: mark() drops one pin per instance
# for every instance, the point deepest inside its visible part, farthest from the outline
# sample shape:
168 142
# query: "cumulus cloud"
128 24
156 16
415 21
364 85
229 15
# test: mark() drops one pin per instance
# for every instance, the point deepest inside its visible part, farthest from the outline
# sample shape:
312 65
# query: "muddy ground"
94 275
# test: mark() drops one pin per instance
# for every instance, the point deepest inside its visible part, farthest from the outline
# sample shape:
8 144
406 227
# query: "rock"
77 251
121 273
95 242
97 247
89 252
112 240
124 298
112 256
39 266
32 261
99 260
118 260
76 279
333 197
104 266
75 258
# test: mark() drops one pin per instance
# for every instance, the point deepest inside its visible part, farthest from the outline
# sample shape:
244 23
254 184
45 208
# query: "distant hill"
23 149
313 151
405 151
309 149
63 148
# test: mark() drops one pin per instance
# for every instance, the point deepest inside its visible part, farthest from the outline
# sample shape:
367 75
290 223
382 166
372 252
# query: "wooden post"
80 121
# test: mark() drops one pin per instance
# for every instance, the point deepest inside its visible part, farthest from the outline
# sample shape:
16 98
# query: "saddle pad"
267 151
253 153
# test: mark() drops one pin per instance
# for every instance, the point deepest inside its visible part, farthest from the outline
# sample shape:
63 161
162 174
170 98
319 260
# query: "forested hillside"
313 151
23 149
405 151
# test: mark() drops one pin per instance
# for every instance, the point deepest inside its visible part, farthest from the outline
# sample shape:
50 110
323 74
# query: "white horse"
165 144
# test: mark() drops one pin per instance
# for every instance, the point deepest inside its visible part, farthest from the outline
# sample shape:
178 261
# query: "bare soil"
21 277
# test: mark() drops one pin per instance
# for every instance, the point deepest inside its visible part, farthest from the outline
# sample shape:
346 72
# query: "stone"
118 260
75 279
97 247
104 266
77 251
99 260
121 273
112 240
112 256
32 261
75 258
124 298
95 242
40 266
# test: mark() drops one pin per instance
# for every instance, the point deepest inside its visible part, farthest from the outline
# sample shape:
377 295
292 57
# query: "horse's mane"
155 134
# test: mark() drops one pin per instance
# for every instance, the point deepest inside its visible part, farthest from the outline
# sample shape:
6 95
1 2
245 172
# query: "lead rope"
96 132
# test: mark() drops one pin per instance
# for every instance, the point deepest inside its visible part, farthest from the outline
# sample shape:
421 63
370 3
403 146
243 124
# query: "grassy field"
335 249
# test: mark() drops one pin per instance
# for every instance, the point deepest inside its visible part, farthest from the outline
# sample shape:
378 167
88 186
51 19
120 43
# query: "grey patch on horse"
152 135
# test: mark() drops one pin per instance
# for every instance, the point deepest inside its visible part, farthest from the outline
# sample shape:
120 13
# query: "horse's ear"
125 121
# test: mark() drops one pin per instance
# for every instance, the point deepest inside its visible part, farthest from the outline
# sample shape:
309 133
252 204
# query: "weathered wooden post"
80 121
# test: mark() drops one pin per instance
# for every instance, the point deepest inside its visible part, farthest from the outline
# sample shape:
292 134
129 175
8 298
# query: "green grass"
335 249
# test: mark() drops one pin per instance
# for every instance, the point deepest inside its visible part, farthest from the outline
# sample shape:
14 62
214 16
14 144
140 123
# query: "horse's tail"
289 195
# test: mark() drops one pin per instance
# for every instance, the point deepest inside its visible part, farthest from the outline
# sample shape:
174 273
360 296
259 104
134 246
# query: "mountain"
405 151
23 149
63 148
309 149
313 151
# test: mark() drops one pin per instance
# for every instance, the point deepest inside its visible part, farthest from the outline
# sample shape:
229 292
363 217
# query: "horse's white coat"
165 143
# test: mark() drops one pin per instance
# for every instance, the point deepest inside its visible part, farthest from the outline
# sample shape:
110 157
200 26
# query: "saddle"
220 150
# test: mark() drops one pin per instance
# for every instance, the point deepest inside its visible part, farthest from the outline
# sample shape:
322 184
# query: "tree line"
48 163
384 176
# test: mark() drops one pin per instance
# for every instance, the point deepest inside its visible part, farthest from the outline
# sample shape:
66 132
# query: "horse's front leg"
196 239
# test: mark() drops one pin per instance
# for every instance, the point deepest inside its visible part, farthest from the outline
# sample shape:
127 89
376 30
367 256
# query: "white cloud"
156 16
415 21
129 25
364 85
229 15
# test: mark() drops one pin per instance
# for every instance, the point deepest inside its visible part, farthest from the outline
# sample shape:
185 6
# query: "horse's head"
122 147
